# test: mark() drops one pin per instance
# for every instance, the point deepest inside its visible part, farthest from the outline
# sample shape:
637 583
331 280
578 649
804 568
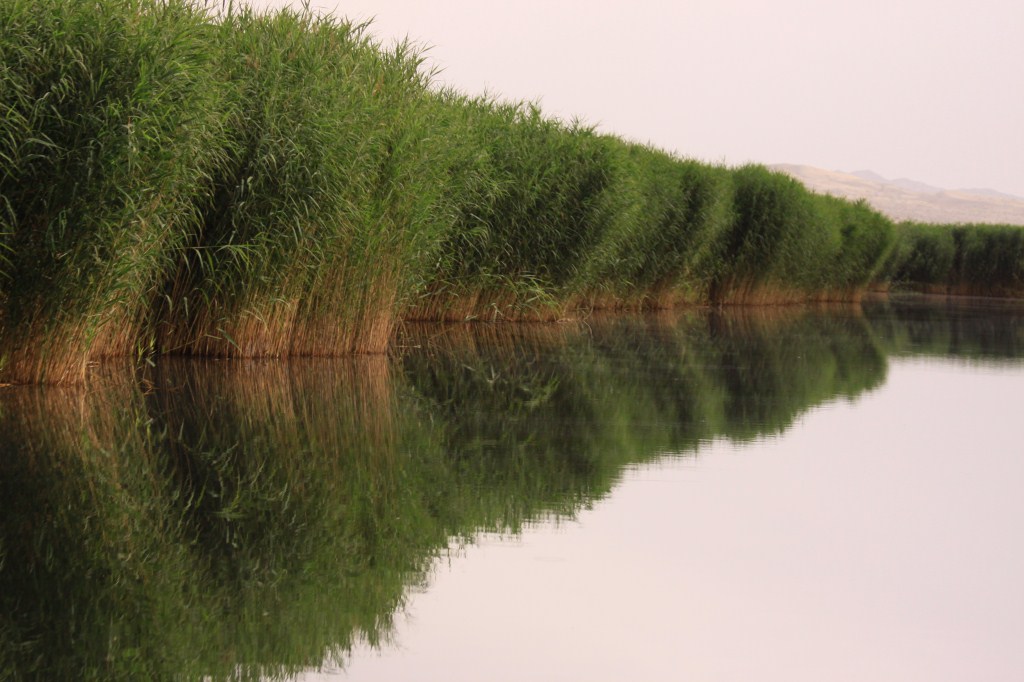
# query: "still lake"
773 494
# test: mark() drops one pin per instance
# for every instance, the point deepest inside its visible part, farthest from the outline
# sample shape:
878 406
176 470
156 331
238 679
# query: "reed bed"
667 221
966 260
109 134
788 244
305 245
269 184
526 211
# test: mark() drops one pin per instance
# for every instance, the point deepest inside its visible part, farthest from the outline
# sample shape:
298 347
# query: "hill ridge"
907 199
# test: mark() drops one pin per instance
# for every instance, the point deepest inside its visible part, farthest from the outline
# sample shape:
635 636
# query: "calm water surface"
777 495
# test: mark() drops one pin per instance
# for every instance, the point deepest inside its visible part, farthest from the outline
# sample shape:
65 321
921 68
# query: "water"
784 494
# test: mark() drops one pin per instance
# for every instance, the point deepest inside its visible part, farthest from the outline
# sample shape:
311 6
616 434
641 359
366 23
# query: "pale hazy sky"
932 90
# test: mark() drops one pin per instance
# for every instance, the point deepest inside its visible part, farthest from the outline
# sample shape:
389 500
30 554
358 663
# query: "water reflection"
970 329
246 520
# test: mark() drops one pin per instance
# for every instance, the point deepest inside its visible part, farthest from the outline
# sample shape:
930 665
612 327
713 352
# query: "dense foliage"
180 181
979 260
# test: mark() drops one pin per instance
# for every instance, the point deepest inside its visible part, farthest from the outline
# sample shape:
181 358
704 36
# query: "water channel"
772 494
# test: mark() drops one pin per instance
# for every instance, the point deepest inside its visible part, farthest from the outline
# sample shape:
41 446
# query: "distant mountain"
905 183
992 193
904 199
869 175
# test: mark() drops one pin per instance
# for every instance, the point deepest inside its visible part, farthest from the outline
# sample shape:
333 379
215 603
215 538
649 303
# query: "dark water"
778 494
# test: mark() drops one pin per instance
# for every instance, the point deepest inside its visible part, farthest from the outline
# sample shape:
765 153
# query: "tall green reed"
982 260
774 247
866 239
668 219
110 132
304 245
525 210
279 183
788 244
992 259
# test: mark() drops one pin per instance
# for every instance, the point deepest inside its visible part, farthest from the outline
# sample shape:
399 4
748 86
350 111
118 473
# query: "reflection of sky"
879 540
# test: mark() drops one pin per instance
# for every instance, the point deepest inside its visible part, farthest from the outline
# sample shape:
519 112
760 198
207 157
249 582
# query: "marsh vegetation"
179 180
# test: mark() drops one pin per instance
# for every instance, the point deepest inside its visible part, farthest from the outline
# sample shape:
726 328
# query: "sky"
931 90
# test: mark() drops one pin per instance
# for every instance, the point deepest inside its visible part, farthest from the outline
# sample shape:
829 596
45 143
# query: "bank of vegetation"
963 260
180 181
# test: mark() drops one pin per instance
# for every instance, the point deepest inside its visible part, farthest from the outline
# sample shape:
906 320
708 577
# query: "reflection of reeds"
246 518
699 374
298 485
325 409
301 395
91 532
502 338
990 330
75 422
539 419
171 523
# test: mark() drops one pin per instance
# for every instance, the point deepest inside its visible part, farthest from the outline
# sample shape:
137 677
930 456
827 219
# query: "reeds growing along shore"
970 260
110 131
305 241
260 184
